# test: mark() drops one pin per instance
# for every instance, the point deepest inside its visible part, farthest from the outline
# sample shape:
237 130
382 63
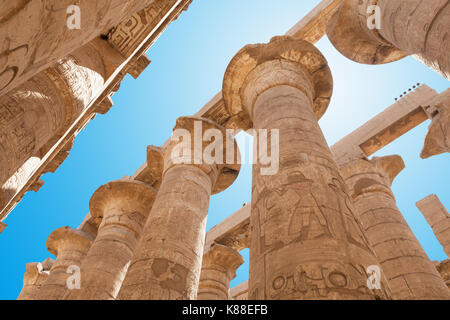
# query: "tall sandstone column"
123 206
46 38
438 218
219 267
305 241
35 115
407 27
36 274
410 273
70 247
167 260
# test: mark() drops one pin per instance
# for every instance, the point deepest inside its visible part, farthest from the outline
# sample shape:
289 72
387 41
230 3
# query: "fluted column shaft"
410 273
219 267
124 206
70 247
305 240
167 260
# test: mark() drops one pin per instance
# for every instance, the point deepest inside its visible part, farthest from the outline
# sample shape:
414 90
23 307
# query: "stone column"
70 247
438 218
410 273
123 206
167 260
437 140
406 27
219 267
36 274
47 38
444 269
305 240
35 115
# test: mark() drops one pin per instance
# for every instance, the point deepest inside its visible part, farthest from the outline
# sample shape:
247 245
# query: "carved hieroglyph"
36 274
437 140
219 267
123 206
407 27
70 247
167 261
46 39
305 240
410 273
438 218
37 113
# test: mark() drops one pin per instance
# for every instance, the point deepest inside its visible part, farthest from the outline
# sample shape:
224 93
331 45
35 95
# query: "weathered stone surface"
240 292
438 218
36 274
408 27
70 247
444 270
219 267
410 273
167 261
437 140
123 206
26 51
305 240
2 227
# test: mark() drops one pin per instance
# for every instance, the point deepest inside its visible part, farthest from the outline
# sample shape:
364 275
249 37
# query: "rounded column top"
66 238
122 193
223 256
222 174
349 33
284 49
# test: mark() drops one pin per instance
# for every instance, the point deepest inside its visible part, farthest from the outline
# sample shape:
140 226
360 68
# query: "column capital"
67 238
349 34
282 61
225 257
221 173
136 196
437 140
155 166
375 175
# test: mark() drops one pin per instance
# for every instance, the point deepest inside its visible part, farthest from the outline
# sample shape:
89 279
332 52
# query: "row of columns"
308 239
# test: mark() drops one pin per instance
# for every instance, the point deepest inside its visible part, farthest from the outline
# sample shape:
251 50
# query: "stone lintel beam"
90 225
438 218
404 115
437 140
138 66
239 292
105 105
232 231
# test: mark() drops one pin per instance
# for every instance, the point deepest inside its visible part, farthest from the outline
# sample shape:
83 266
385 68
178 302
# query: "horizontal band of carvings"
112 84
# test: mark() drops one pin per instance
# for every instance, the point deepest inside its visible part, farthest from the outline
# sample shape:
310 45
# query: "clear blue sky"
188 63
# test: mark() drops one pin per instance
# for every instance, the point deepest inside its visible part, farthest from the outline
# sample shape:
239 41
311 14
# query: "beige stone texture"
70 247
36 274
410 273
305 240
408 27
123 206
219 267
2 227
123 50
167 261
437 140
438 218
26 51
239 292
444 270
